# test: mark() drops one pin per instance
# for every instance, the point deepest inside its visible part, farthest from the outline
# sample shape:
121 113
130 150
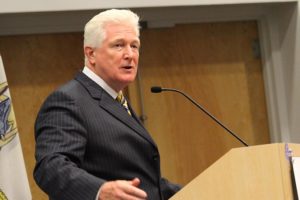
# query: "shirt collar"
97 79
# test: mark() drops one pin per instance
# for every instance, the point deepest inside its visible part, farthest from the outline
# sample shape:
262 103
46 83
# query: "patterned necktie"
121 99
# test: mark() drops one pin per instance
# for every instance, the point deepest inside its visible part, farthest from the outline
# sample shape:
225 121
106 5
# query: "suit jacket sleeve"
60 147
168 188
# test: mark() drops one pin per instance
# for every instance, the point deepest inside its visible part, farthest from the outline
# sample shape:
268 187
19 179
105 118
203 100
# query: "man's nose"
128 52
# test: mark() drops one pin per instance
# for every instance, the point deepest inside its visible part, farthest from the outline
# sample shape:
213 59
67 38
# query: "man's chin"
126 82
128 79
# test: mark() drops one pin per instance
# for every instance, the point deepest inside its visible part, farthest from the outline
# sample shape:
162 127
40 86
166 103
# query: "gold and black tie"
120 98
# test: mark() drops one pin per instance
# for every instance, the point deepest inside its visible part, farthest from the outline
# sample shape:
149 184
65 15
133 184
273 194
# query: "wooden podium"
257 172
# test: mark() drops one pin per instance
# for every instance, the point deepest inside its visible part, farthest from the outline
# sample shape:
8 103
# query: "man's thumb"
135 182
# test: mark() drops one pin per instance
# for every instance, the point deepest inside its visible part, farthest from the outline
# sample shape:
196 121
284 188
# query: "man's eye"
135 46
118 45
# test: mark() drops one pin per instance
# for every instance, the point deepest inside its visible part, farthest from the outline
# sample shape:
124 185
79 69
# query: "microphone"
157 89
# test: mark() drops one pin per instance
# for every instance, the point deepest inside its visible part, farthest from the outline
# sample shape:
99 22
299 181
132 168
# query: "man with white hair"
90 145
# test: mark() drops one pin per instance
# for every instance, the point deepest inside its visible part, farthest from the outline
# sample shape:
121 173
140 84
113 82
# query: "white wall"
289 29
19 6
279 26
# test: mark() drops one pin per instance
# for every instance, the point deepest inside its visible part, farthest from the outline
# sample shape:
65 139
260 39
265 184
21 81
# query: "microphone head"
156 89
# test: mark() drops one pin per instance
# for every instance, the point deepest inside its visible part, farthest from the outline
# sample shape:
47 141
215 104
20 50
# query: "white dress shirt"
100 82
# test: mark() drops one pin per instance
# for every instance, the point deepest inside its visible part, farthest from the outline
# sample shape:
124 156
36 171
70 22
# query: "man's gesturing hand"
122 190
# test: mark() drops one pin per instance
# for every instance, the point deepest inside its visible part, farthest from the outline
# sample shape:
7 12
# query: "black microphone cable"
157 89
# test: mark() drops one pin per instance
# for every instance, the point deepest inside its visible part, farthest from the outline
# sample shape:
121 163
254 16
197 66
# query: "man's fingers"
134 190
121 189
135 182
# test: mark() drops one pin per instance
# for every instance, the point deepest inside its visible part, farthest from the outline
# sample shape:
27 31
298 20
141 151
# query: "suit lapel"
116 109
113 107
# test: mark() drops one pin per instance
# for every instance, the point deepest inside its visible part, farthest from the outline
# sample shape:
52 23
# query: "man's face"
116 61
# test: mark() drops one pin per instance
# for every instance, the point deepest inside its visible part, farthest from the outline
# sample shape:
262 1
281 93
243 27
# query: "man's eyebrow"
122 40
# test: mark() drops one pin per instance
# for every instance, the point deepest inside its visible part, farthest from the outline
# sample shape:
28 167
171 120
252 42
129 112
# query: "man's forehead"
115 25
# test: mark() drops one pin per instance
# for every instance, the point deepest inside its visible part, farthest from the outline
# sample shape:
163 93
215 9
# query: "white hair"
94 30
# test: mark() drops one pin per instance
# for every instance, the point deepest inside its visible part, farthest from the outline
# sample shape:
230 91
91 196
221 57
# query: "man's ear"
89 52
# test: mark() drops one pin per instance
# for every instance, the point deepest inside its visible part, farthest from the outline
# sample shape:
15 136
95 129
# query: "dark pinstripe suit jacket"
84 138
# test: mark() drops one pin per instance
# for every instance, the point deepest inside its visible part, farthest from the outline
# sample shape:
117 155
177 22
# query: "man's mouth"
127 67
